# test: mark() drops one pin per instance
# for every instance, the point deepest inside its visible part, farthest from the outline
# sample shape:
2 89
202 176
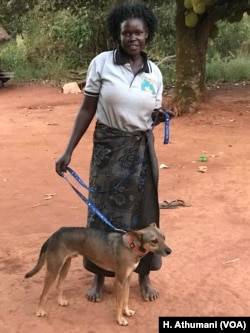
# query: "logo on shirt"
148 86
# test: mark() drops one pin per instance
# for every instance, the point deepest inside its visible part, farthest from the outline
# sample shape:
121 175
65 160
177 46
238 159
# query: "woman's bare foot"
94 294
148 293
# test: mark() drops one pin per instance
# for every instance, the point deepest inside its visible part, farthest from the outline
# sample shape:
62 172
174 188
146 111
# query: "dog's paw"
128 312
63 302
122 321
40 313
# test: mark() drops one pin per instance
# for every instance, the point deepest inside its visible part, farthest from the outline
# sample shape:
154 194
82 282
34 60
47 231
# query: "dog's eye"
155 241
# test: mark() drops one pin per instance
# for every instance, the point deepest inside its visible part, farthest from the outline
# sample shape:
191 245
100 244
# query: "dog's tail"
40 262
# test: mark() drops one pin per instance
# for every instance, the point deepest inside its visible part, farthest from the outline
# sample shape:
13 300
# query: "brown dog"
112 251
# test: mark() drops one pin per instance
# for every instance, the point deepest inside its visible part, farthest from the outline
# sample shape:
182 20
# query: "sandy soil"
207 273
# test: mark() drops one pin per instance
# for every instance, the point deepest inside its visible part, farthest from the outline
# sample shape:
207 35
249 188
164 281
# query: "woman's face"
133 36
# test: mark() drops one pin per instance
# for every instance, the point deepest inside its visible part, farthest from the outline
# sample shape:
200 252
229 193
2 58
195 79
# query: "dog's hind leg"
62 276
48 281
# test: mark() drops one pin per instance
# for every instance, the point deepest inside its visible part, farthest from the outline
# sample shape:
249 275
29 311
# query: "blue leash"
86 200
81 182
166 127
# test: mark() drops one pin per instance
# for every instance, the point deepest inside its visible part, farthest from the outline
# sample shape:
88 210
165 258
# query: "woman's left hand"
158 115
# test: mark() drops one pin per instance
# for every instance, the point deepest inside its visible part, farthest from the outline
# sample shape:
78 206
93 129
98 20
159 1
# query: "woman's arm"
82 122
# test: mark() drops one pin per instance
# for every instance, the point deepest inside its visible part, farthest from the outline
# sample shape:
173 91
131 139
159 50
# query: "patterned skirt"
123 181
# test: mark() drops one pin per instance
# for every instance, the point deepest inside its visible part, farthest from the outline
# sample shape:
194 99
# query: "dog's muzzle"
168 250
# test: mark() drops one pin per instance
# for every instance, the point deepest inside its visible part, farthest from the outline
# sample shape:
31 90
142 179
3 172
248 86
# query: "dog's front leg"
62 276
119 294
128 312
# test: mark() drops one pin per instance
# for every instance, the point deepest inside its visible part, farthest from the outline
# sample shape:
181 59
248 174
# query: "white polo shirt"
125 101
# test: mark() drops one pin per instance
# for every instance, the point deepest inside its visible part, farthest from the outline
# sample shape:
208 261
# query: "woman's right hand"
62 163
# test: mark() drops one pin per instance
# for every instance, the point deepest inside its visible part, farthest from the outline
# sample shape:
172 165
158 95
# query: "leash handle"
167 118
87 201
166 127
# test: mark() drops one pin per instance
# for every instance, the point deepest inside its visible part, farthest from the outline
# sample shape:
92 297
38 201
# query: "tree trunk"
191 48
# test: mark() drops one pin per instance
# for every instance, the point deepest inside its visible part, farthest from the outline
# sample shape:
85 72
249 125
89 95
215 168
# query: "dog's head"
151 239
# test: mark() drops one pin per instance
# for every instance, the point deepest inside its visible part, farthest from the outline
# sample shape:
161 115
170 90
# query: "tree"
11 11
195 24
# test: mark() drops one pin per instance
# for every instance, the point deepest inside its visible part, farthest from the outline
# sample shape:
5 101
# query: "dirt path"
208 271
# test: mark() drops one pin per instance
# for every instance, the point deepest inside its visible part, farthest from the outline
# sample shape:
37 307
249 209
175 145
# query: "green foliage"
59 35
13 56
227 56
230 38
231 70
53 34
10 13
168 73
164 41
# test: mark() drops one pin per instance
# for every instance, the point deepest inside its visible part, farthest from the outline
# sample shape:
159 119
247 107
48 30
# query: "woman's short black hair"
124 12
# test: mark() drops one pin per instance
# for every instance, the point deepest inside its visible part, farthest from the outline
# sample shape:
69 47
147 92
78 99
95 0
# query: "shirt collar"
121 59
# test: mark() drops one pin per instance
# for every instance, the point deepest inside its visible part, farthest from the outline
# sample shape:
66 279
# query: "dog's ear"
153 224
135 233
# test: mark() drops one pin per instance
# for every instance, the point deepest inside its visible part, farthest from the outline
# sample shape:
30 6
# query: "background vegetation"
49 41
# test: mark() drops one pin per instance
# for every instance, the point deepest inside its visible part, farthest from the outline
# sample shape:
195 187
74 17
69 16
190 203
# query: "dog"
113 251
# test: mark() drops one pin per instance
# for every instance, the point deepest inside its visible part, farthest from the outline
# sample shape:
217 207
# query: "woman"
124 91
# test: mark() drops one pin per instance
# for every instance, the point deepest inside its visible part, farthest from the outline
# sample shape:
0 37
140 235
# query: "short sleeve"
93 80
158 100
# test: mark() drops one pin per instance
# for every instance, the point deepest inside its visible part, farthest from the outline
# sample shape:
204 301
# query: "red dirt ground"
207 273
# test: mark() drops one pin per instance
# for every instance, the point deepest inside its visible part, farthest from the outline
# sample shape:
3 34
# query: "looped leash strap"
166 127
78 179
86 200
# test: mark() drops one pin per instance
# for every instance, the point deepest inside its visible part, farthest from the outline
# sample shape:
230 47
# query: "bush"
13 58
228 70
230 38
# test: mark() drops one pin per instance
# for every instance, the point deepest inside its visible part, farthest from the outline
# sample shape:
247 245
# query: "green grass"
232 70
